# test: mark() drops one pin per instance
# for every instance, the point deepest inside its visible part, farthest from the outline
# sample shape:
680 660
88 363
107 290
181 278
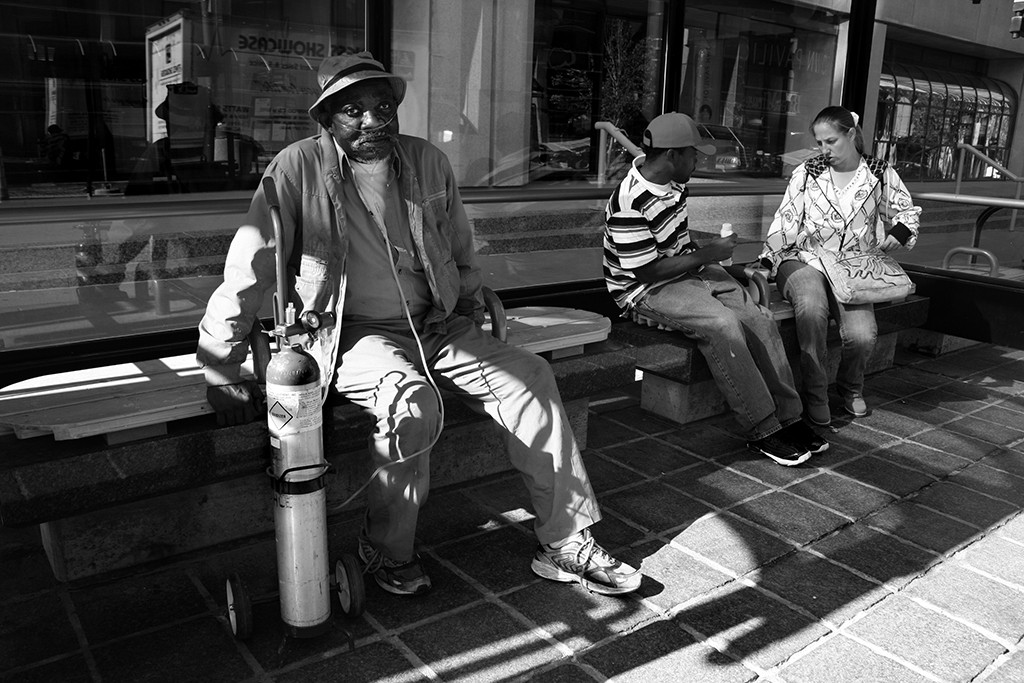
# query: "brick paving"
897 555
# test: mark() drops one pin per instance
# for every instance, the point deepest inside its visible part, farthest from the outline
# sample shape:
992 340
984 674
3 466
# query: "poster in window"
165 65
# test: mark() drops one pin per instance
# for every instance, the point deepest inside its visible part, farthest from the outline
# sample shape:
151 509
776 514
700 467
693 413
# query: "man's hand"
236 404
719 248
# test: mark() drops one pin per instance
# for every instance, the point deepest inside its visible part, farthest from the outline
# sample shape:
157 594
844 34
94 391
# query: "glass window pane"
158 97
105 98
943 108
511 90
760 72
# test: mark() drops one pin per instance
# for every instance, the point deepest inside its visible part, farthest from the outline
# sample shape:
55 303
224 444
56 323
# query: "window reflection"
923 114
558 69
757 73
107 97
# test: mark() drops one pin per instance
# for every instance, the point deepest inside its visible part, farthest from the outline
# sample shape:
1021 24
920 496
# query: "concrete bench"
138 400
677 383
127 465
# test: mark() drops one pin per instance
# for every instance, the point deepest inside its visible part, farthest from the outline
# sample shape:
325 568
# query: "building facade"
133 133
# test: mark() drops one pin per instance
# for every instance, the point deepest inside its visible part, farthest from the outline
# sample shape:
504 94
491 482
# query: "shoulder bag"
864 277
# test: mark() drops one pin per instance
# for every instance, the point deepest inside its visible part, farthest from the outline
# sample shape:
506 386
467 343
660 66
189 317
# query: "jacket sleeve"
250 269
471 301
781 240
900 207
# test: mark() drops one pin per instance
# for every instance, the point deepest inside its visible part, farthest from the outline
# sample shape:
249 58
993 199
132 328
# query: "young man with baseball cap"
377 235
653 267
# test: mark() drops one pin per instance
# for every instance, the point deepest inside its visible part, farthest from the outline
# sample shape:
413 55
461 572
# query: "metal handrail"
993 262
975 199
974 151
969 149
607 129
991 204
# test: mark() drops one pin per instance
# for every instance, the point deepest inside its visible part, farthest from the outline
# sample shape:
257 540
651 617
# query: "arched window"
924 113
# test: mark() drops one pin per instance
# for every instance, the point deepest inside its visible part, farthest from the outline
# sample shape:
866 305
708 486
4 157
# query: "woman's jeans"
740 342
806 288
382 372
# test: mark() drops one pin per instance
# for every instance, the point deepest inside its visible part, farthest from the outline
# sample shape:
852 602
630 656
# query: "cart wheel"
239 607
351 589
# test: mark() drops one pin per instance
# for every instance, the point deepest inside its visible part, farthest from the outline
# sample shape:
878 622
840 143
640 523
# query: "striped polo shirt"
643 222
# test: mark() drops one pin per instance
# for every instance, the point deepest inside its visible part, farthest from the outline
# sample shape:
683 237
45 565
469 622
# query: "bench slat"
116 414
543 328
85 386
525 333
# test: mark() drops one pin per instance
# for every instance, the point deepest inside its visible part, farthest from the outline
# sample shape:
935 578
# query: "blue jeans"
381 371
806 288
740 341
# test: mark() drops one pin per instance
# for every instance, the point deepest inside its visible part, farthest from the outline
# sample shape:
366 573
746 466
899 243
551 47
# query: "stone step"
238 507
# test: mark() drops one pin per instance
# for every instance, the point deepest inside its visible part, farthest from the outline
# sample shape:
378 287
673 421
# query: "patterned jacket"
814 212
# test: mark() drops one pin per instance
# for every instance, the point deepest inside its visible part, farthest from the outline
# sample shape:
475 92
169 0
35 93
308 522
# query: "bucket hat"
340 71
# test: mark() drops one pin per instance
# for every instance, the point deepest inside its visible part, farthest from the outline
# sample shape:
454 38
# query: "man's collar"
653 188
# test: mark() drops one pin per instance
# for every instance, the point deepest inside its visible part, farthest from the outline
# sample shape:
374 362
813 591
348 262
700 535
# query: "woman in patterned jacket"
840 200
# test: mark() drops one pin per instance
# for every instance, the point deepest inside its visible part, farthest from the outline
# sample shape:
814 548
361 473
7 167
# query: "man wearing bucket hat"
378 235
655 269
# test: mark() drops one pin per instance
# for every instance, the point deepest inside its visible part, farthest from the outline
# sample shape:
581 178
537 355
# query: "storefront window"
124 125
111 97
755 74
511 90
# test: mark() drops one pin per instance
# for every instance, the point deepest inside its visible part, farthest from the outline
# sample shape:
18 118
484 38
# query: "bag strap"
877 168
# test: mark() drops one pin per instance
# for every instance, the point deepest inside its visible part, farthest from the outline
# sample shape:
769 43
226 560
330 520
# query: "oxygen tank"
299 470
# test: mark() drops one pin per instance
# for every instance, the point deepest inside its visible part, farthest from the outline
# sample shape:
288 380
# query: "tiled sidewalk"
897 555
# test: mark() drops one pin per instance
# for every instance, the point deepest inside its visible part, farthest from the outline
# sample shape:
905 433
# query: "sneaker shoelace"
374 559
377 560
591 555
585 552
591 552
580 559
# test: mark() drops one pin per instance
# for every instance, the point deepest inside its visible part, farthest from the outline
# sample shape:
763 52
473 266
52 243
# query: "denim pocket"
312 268
311 283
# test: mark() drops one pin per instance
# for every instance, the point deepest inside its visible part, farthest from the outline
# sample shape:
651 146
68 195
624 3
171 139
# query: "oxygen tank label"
293 410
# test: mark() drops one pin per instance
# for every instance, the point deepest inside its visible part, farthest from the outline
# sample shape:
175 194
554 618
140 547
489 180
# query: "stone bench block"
163 526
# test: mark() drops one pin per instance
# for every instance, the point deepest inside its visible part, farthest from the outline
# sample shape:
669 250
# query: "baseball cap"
340 71
675 130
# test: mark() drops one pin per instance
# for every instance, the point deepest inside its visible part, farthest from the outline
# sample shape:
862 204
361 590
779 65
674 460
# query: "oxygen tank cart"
298 471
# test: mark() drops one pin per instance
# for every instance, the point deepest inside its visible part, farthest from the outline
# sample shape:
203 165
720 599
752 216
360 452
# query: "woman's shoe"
819 415
855 405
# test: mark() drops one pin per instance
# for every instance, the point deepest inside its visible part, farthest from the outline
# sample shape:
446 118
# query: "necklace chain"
843 175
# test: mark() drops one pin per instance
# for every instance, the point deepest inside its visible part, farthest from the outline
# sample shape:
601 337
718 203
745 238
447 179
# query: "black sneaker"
779 450
801 435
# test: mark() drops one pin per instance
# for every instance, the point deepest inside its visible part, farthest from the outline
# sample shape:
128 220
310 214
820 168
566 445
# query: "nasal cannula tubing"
370 130
426 371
